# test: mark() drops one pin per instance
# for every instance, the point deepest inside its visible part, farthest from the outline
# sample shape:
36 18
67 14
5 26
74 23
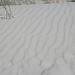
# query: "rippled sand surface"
39 40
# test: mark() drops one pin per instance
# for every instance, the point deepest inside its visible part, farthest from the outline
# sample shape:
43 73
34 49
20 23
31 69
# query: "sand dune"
39 40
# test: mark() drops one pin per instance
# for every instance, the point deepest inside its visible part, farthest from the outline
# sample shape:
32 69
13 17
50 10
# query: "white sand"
40 40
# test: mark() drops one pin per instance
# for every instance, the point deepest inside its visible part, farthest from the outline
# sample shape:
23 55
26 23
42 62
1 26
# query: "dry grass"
20 2
6 5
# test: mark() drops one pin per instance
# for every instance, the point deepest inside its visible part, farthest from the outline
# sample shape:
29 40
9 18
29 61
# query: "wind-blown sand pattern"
40 40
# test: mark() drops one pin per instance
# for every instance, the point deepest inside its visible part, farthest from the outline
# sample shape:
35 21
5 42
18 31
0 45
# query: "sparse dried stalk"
5 3
48 1
32 2
19 2
29 2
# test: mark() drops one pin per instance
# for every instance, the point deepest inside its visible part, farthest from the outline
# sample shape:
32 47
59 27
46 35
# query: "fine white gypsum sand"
39 40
